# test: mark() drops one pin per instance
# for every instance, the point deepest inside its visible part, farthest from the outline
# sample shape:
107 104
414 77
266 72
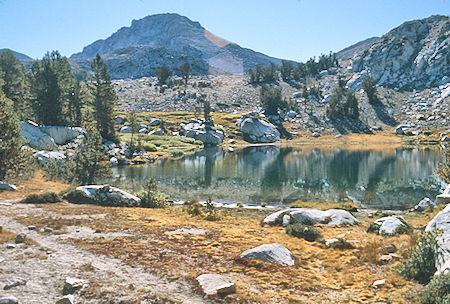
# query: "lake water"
381 178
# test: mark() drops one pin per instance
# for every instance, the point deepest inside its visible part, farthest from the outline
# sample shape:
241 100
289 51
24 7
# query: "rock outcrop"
444 197
331 217
274 253
200 131
169 39
62 135
35 138
6 186
258 131
102 195
442 222
389 226
414 55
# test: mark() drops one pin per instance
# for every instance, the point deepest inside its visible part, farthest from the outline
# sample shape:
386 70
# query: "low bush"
151 197
149 147
44 198
341 244
420 264
369 252
77 197
437 291
304 231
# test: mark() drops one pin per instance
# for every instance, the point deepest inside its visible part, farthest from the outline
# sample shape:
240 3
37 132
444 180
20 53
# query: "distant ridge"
18 55
178 39
356 48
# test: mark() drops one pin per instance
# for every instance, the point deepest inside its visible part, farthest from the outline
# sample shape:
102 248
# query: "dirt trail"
45 267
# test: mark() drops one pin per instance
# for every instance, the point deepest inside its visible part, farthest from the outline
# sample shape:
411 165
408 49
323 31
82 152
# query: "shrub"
437 291
149 147
194 207
239 205
421 258
369 253
44 198
303 231
211 210
151 197
341 244
77 197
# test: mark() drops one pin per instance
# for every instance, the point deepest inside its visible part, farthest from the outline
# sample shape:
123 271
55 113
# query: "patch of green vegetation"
420 264
164 142
437 291
306 232
341 244
44 198
151 197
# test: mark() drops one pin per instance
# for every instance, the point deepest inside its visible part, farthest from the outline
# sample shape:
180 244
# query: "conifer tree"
90 162
14 86
51 80
286 70
351 105
75 104
104 99
185 69
13 159
163 73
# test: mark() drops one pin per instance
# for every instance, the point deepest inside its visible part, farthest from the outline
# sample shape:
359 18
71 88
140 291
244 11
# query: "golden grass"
321 275
38 183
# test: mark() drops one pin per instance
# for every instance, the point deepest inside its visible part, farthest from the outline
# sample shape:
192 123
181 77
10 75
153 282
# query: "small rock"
378 283
20 238
67 299
338 136
10 246
6 186
330 242
72 284
14 283
424 204
387 248
31 227
315 134
9 300
213 284
274 253
48 229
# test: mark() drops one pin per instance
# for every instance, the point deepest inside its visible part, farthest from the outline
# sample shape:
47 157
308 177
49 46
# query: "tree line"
289 70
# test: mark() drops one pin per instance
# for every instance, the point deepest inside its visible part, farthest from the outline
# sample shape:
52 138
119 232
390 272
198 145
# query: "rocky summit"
169 39
414 55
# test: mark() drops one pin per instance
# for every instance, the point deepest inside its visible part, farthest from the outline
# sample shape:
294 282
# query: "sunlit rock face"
171 40
414 55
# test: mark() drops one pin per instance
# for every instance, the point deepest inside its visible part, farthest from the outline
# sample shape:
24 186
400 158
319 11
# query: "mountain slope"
18 55
414 55
356 48
181 37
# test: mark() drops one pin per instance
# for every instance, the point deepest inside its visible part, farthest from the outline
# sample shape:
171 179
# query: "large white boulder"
6 186
331 217
35 138
258 131
62 135
389 226
424 205
442 222
209 137
44 156
102 195
274 253
444 197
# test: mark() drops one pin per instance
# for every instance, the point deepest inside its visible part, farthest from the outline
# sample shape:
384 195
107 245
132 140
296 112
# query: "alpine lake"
379 177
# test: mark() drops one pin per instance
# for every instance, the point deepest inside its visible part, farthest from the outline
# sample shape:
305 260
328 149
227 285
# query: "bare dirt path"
45 265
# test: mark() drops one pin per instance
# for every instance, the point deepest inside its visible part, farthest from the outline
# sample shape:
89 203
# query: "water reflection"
387 178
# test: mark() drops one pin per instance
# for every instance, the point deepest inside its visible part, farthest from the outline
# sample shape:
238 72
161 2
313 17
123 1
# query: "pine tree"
13 158
75 104
132 122
185 70
351 105
104 99
90 161
14 86
286 70
51 80
163 73
271 100
370 87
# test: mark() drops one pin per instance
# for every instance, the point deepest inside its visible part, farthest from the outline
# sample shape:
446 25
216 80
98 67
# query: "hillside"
357 48
176 37
18 55
415 55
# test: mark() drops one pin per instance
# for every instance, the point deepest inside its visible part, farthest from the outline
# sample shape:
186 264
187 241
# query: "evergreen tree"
163 73
335 107
104 99
51 80
271 100
14 86
75 104
90 162
13 159
286 70
351 105
252 76
132 122
185 70
370 87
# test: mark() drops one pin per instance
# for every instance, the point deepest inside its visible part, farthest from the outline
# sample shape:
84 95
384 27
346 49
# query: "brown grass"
321 275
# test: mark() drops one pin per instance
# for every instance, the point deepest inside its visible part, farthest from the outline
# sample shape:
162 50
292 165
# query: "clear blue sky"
290 29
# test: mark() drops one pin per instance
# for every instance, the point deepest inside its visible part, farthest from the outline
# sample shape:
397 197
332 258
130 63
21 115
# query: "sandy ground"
48 259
